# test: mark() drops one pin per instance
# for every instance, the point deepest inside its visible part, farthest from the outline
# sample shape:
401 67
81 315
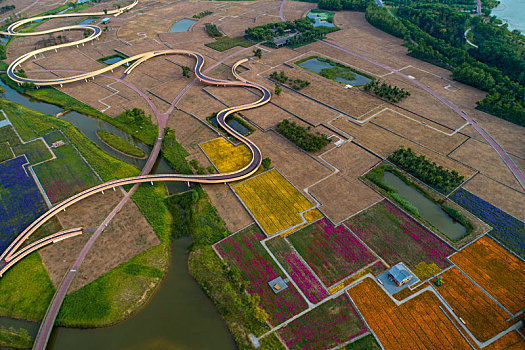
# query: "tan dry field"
267 116
229 207
503 197
298 167
127 235
508 135
417 132
353 102
384 142
29 7
190 133
341 198
296 9
351 160
482 157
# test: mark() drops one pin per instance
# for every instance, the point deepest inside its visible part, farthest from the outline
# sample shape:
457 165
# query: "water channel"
235 125
428 210
178 316
316 66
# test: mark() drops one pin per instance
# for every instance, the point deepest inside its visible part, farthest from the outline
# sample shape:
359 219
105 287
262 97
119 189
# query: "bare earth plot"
482 157
503 197
127 235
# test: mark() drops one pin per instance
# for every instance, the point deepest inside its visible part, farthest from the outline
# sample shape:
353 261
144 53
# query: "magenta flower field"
299 272
257 267
396 237
334 322
332 252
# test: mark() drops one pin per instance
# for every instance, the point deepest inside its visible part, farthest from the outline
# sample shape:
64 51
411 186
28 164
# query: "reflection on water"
428 210
235 125
314 65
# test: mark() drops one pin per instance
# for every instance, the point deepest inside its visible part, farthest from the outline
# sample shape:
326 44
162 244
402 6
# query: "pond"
320 19
179 316
511 12
428 210
113 60
86 21
316 66
182 26
89 126
241 129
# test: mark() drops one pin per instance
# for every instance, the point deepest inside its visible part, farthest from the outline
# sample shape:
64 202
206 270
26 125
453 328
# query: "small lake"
86 21
511 12
178 316
241 129
319 20
113 60
428 210
182 26
316 66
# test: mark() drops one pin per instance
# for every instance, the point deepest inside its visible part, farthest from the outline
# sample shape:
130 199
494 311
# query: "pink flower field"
396 237
334 322
333 253
299 272
257 267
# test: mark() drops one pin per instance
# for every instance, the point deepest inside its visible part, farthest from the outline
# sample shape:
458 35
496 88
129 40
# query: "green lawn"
26 289
224 43
13 338
7 134
5 152
35 151
120 144
368 342
66 175
31 124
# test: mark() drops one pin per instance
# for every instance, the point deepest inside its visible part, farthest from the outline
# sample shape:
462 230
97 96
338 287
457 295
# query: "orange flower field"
496 270
417 324
510 341
483 317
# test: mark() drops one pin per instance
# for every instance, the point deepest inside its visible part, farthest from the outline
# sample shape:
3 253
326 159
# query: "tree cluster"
337 5
384 90
212 30
301 137
429 172
202 14
296 84
6 8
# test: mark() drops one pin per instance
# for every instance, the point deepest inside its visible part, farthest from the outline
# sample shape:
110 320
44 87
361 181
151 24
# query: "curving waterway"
178 316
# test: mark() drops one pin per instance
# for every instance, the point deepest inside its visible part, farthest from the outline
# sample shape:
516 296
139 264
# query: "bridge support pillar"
102 192
61 85
113 189
151 183
56 50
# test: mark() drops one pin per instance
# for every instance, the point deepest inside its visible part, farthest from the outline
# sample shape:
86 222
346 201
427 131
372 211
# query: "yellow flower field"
310 216
225 156
273 201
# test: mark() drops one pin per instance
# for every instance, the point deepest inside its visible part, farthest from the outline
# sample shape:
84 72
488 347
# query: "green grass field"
5 152
26 289
66 175
120 144
225 43
31 124
35 151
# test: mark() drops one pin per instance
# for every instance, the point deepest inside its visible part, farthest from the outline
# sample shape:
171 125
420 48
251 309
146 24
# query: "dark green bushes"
391 93
301 137
212 30
296 84
435 175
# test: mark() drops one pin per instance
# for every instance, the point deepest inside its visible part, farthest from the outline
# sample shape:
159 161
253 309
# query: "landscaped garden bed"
333 323
303 277
332 252
256 266
121 145
396 237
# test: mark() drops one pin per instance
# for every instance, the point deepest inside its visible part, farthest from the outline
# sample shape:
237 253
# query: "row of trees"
350 5
301 137
212 30
390 92
202 14
282 78
6 8
435 175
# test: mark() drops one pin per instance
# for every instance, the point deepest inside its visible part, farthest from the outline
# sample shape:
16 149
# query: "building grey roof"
399 273
278 284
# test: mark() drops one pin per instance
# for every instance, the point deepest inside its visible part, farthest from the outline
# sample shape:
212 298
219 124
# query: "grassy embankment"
376 177
121 145
12 338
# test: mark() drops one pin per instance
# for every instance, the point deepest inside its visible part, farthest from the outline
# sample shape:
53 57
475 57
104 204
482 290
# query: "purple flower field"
332 252
257 267
299 272
396 237
334 322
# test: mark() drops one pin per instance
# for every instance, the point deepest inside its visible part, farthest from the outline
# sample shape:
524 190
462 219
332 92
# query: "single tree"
105 11
278 89
266 163
257 53
194 163
185 71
